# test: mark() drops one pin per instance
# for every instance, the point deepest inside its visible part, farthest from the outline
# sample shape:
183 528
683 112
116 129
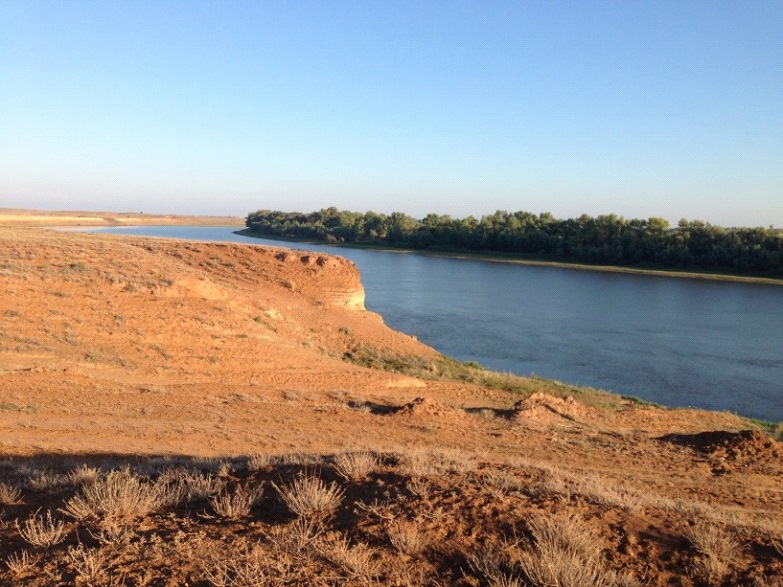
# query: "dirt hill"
205 372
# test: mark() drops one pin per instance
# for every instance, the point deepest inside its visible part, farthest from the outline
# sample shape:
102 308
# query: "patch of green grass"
448 369
772 429
639 401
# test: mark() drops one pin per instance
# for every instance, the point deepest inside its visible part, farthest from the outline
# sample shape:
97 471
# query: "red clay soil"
131 349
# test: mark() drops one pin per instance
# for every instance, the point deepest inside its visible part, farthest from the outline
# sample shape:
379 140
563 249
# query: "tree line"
601 240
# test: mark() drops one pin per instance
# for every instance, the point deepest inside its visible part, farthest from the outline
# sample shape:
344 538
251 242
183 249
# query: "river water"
678 342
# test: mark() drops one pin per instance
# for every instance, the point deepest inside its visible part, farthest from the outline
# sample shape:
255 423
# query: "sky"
637 108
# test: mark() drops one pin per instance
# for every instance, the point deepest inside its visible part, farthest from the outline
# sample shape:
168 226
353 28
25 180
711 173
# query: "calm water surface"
678 342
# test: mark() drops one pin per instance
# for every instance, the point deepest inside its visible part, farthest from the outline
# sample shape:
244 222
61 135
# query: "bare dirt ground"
172 404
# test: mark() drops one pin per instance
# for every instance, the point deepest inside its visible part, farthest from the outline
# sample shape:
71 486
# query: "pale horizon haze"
637 108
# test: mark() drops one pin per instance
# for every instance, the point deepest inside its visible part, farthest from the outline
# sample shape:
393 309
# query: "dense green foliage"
604 240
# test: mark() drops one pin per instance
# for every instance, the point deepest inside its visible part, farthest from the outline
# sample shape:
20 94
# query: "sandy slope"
128 347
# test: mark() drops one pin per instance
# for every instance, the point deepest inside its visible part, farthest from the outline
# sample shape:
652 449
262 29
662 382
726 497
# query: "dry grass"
83 475
407 537
42 530
192 484
301 536
421 488
9 495
20 563
561 553
89 564
386 529
245 567
112 534
354 466
357 561
717 548
118 494
236 504
308 496
432 463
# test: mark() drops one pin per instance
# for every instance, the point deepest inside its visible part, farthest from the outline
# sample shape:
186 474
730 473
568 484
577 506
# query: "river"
678 342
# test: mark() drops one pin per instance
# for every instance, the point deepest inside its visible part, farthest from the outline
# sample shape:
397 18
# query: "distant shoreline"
534 262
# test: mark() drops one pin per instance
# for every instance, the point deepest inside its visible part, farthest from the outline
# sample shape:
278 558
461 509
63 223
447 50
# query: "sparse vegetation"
308 496
42 530
118 494
9 495
353 466
236 504
395 521
717 550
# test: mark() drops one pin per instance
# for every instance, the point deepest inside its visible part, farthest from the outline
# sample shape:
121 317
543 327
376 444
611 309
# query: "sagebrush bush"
119 494
354 466
308 496
236 504
42 530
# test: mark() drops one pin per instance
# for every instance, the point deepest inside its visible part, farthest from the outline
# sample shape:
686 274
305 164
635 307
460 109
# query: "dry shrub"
431 463
243 567
500 485
354 466
260 461
83 475
185 483
419 487
236 504
309 497
379 509
356 561
415 575
89 564
48 482
21 563
407 537
496 568
119 494
42 530
297 538
718 550
563 553
9 495
301 459
418 464
114 535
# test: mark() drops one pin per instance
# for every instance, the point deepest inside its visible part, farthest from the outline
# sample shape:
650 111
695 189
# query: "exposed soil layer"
186 362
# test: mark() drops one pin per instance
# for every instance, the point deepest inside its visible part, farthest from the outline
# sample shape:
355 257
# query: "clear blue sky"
671 109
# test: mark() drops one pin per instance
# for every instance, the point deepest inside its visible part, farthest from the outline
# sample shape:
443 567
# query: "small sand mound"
427 408
744 446
547 409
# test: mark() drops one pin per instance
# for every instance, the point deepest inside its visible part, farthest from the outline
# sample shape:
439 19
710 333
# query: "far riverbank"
496 258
